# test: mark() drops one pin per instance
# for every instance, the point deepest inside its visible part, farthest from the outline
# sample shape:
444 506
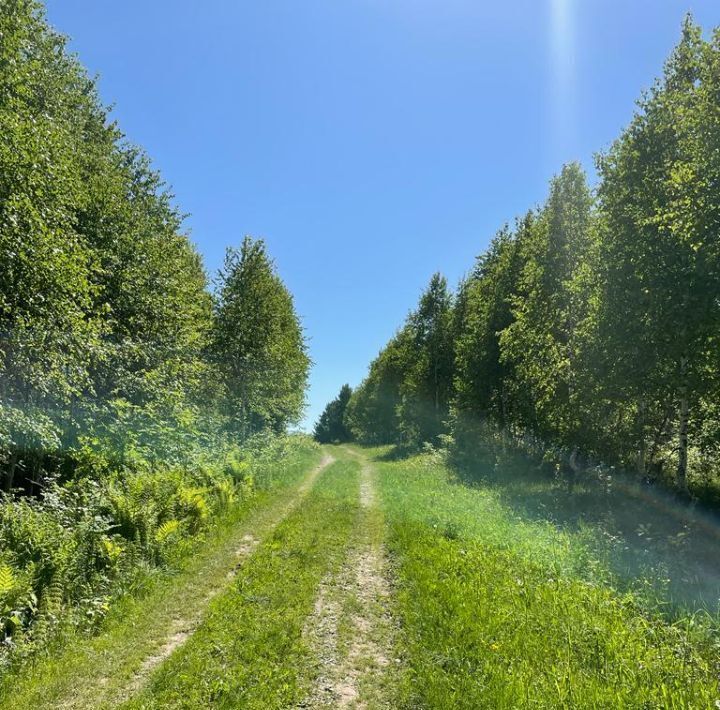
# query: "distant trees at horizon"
331 427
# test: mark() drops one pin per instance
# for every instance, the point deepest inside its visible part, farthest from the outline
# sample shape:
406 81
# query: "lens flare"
562 94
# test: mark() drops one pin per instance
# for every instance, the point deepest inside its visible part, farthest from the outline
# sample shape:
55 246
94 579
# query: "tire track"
351 628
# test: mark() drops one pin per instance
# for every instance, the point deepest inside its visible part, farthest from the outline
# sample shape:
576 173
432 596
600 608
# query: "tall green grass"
502 612
421 489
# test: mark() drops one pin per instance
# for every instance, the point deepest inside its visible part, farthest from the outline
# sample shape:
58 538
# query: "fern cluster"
66 554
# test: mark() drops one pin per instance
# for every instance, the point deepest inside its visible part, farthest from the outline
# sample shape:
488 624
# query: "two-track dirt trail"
351 628
291 609
305 621
184 624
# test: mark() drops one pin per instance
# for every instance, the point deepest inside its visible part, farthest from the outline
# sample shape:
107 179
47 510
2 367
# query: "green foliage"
107 332
538 345
570 644
269 663
114 409
405 398
659 271
500 610
192 505
258 345
332 426
484 311
93 669
372 412
168 530
427 385
104 310
70 550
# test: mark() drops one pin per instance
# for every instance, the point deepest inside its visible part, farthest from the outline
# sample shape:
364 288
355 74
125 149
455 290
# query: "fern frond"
167 529
7 579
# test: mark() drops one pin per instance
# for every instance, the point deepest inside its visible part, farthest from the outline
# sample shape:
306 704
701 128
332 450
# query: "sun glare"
562 51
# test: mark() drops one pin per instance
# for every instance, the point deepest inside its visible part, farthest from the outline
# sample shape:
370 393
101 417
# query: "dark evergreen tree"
372 413
481 379
427 385
332 426
405 398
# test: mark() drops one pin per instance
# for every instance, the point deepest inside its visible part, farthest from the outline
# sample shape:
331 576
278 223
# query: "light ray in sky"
563 90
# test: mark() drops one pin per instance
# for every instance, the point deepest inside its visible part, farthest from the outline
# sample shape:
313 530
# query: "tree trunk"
575 468
642 447
681 476
658 435
10 475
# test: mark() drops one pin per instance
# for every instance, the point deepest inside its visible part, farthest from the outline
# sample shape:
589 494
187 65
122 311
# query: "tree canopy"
257 343
332 426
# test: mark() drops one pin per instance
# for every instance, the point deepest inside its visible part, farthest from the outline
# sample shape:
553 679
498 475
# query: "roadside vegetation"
332 427
136 404
537 526
250 651
550 476
101 668
499 610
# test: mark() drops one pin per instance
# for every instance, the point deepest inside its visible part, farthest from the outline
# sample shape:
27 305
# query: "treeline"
135 401
590 327
110 338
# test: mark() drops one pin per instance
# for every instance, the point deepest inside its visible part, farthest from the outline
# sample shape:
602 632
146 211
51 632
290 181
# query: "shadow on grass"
642 530
395 453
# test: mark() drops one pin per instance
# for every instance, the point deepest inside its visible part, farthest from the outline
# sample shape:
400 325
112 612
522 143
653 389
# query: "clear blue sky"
370 142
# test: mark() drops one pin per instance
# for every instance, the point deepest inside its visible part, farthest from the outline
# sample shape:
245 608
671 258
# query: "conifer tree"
427 386
481 376
373 411
332 426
